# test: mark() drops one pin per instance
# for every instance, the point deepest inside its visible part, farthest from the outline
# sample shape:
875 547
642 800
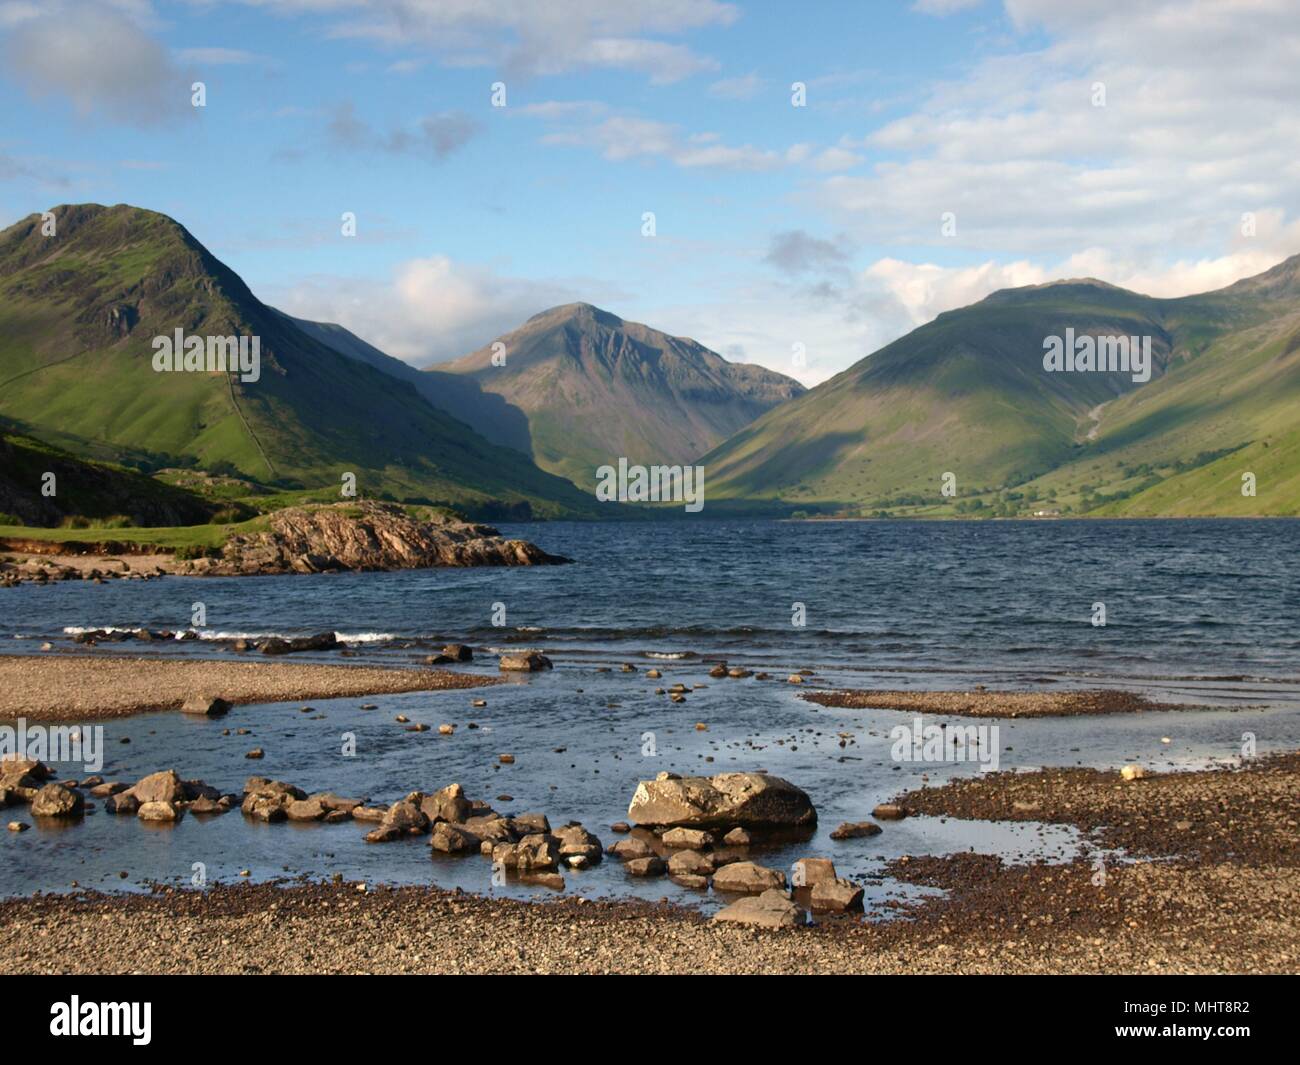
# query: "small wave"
669 655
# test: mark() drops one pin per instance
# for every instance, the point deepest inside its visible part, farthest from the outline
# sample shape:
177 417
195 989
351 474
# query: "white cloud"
526 37
621 138
1186 143
431 309
98 58
742 88
217 56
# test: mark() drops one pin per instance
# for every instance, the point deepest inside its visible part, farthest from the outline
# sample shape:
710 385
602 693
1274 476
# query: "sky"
938 150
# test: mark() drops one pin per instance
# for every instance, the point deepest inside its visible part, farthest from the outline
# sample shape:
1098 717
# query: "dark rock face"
365 535
747 800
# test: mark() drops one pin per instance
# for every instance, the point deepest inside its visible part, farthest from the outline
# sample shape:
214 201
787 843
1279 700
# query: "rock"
718 671
256 753
530 662
771 909
124 803
17 774
54 800
459 652
811 871
747 877
448 804
855 830
446 730
1133 772
737 837
335 803
652 866
687 838
631 849
794 678
506 759
620 826
728 799
269 800
321 641
492 828
653 674
18 826
549 880
691 880
205 705
531 823
453 839
305 810
536 853
404 818
368 813
691 863
112 787
160 787
836 896
158 811
888 811
577 842
207 806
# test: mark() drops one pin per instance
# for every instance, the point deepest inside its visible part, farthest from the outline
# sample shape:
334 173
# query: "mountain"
968 394
79 314
591 388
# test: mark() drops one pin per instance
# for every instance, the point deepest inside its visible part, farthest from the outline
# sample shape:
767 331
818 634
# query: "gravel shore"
1223 899
61 687
995 703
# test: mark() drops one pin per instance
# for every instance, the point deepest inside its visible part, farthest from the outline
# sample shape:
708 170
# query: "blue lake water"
1202 612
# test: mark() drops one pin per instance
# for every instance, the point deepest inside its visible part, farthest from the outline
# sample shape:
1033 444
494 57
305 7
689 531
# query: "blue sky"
776 225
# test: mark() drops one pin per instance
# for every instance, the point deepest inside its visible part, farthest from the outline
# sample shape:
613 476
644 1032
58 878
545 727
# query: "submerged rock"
530 662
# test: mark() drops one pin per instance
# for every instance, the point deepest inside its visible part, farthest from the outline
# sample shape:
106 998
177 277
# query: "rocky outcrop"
366 535
748 800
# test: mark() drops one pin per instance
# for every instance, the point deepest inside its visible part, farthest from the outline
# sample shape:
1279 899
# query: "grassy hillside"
78 314
968 394
85 493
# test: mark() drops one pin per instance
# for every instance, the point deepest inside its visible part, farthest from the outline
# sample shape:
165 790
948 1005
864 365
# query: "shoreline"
1227 906
1013 704
46 688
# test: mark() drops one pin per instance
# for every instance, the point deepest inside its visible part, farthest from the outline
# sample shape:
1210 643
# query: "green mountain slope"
967 394
592 388
78 315
91 490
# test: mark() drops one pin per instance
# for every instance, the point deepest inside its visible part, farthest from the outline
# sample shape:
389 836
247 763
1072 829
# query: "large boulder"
771 909
22 777
54 800
448 804
453 839
404 818
751 800
747 878
836 896
166 786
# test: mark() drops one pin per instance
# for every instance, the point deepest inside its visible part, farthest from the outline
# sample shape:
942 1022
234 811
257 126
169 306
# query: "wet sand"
62 687
995 703
1223 900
